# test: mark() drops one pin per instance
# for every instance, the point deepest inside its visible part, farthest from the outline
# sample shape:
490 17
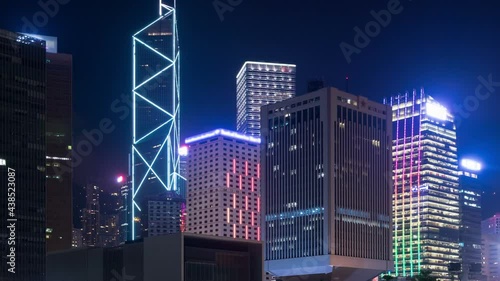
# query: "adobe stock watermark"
40 19
372 29
223 6
95 137
471 103
121 276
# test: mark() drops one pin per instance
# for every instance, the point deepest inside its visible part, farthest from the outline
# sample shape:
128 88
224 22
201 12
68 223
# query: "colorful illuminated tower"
156 94
426 211
223 192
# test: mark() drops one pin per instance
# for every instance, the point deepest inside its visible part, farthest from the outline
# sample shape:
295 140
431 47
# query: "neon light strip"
403 188
234 200
234 230
228 215
153 131
258 204
150 102
411 184
396 192
253 219
246 202
258 233
246 231
227 180
241 216
246 168
152 49
137 206
252 188
153 77
418 177
234 166
241 187
258 171
222 132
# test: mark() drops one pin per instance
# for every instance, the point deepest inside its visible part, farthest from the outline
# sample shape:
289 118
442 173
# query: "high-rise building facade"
326 186
23 116
91 216
156 112
470 221
223 194
258 84
490 229
59 146
164 215
426 210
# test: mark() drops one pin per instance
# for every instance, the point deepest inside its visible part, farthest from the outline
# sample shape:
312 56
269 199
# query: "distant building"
77 238
173 257
224 185
491 248
109 231
91 216
470 221
23 148
125 213
164 215
326 187
426 198
258 84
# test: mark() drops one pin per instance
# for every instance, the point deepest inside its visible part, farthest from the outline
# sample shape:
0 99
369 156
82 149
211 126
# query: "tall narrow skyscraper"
156 111
59 146
326 187
224 185
23 116
470 220
426 211
258 84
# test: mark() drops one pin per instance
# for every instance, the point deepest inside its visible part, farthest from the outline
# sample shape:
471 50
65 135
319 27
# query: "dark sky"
443 46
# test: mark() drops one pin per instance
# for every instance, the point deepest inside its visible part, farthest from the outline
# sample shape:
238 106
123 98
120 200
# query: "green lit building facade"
426 211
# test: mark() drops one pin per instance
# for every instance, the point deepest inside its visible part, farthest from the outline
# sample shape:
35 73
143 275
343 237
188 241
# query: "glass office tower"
258 84
426 211
156 111
23 116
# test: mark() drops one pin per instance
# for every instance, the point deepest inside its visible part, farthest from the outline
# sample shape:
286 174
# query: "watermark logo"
372 29
224 6
471 103
49 9
117 276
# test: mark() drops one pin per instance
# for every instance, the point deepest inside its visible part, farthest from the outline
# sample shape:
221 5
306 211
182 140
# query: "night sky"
443 46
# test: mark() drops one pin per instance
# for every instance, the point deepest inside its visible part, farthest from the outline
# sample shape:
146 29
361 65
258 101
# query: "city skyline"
359 140
445 73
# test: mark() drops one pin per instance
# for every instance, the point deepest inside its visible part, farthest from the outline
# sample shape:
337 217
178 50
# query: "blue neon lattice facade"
156 100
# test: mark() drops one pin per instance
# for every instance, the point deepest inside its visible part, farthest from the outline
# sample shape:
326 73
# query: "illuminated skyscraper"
470 220
491 247
156 94
224 185
326 187
23 116
426 211
258 84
